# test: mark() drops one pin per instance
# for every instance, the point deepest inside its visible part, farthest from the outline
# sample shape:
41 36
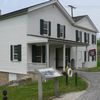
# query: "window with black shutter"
61 31
86 37
93 39
78 36
84 56
38 54
88 56
45 27
15 52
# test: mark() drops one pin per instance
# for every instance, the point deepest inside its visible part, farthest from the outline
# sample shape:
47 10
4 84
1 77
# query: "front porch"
56 54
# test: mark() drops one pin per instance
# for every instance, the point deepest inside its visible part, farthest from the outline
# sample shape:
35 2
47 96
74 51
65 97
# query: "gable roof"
38 6
77 18
73 20
81 18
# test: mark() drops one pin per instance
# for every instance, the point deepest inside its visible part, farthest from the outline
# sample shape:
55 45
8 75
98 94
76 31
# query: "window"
78 36
93 39
84 56
61 31
38 54
86 37
45 27
15 52
94 58
88 56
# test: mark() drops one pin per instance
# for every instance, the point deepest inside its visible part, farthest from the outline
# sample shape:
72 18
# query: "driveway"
92 93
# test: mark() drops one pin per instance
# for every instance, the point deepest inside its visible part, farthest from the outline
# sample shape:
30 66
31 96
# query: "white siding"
85 23
13 32
49 13
80 51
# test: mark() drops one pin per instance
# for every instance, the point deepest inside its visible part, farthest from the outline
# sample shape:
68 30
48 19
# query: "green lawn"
29 91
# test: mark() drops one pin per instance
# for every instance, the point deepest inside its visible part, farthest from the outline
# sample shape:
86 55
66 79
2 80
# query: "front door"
59 58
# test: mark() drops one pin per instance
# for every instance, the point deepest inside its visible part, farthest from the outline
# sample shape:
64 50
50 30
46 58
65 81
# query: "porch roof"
67 42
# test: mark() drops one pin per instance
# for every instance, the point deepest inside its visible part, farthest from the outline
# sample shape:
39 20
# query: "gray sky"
84 7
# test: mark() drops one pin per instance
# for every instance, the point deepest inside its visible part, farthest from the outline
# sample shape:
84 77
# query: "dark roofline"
77 18
18 12
13 14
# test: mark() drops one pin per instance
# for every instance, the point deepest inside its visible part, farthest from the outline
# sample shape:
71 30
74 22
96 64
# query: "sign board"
49 73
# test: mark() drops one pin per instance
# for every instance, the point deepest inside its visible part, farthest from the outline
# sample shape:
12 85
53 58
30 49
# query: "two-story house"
43 36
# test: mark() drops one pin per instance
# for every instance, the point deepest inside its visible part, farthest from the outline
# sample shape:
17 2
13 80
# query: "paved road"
93 92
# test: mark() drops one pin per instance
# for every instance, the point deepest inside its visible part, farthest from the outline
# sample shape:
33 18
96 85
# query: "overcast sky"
84 7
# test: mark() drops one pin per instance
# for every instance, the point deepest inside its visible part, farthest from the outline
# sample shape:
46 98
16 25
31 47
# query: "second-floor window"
86 37
45 27
78 36
61 31
93 39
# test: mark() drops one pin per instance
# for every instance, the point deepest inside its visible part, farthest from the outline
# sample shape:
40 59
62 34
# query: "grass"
29 91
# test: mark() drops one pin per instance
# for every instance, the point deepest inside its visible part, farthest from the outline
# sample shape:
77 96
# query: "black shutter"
11 52
33 53
85 37
41 26
80 36
43 53
88 38
84 56
19 52
92 39
49 29
64 31
88 56
58 30
95 39
77 39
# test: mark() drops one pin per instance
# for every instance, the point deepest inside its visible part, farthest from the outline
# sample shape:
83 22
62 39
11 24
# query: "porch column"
47 54
64 60
76 58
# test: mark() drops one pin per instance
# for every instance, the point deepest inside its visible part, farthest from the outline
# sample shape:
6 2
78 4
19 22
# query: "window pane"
38 59
38 51
46 27
16 52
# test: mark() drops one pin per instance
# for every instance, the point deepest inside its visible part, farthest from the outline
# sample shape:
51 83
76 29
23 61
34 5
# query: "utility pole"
72 7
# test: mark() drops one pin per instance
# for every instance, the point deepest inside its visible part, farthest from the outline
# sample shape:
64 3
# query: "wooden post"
39 88
56 87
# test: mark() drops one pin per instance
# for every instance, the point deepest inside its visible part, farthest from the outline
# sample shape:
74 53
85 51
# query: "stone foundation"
4 77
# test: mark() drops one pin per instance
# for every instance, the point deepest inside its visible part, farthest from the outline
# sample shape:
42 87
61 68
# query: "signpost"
47 73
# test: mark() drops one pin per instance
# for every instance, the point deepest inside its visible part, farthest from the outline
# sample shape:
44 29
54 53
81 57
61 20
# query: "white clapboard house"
43 36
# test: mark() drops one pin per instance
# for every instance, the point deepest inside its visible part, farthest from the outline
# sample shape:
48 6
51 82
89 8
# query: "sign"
92 52
49 72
